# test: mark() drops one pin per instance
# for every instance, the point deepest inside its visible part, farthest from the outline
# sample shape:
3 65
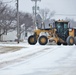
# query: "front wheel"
32 40
43 40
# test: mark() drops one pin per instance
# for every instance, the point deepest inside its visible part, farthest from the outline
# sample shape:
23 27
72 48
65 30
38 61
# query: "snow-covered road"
39 60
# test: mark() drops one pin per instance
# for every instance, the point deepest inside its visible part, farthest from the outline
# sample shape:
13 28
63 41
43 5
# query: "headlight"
70 29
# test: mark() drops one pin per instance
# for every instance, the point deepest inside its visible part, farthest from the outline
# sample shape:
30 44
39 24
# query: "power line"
66 14
9 1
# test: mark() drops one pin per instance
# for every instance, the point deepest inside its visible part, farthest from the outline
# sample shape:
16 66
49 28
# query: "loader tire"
75 40
70 40
32 40
43 40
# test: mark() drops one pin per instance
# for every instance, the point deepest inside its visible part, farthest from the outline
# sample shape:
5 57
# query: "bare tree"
7 19
46 14
25 22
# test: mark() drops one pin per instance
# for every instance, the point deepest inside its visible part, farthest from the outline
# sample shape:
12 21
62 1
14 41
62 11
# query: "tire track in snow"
25 57
68 54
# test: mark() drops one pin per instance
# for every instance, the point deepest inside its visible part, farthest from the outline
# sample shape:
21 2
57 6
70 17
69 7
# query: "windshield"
62 29
61 26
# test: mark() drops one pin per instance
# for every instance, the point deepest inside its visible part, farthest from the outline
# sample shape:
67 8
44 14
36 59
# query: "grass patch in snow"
9 49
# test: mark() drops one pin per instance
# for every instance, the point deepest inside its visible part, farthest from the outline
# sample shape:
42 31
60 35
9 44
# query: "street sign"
36 8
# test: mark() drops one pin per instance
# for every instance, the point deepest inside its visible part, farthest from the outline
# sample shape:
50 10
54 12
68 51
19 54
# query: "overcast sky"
59 6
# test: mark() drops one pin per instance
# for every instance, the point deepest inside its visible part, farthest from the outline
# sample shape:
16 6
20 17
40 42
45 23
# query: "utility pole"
35 8
18 27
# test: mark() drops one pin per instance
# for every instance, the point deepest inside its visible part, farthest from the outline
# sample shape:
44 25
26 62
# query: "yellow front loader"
59 32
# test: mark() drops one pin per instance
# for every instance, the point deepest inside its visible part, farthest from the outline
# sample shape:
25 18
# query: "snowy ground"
24 59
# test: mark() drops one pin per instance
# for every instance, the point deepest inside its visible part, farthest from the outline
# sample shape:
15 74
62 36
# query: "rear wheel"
43 40
32 40
75 40
70 40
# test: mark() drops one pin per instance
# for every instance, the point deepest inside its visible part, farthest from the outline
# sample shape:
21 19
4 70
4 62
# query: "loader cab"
62 29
